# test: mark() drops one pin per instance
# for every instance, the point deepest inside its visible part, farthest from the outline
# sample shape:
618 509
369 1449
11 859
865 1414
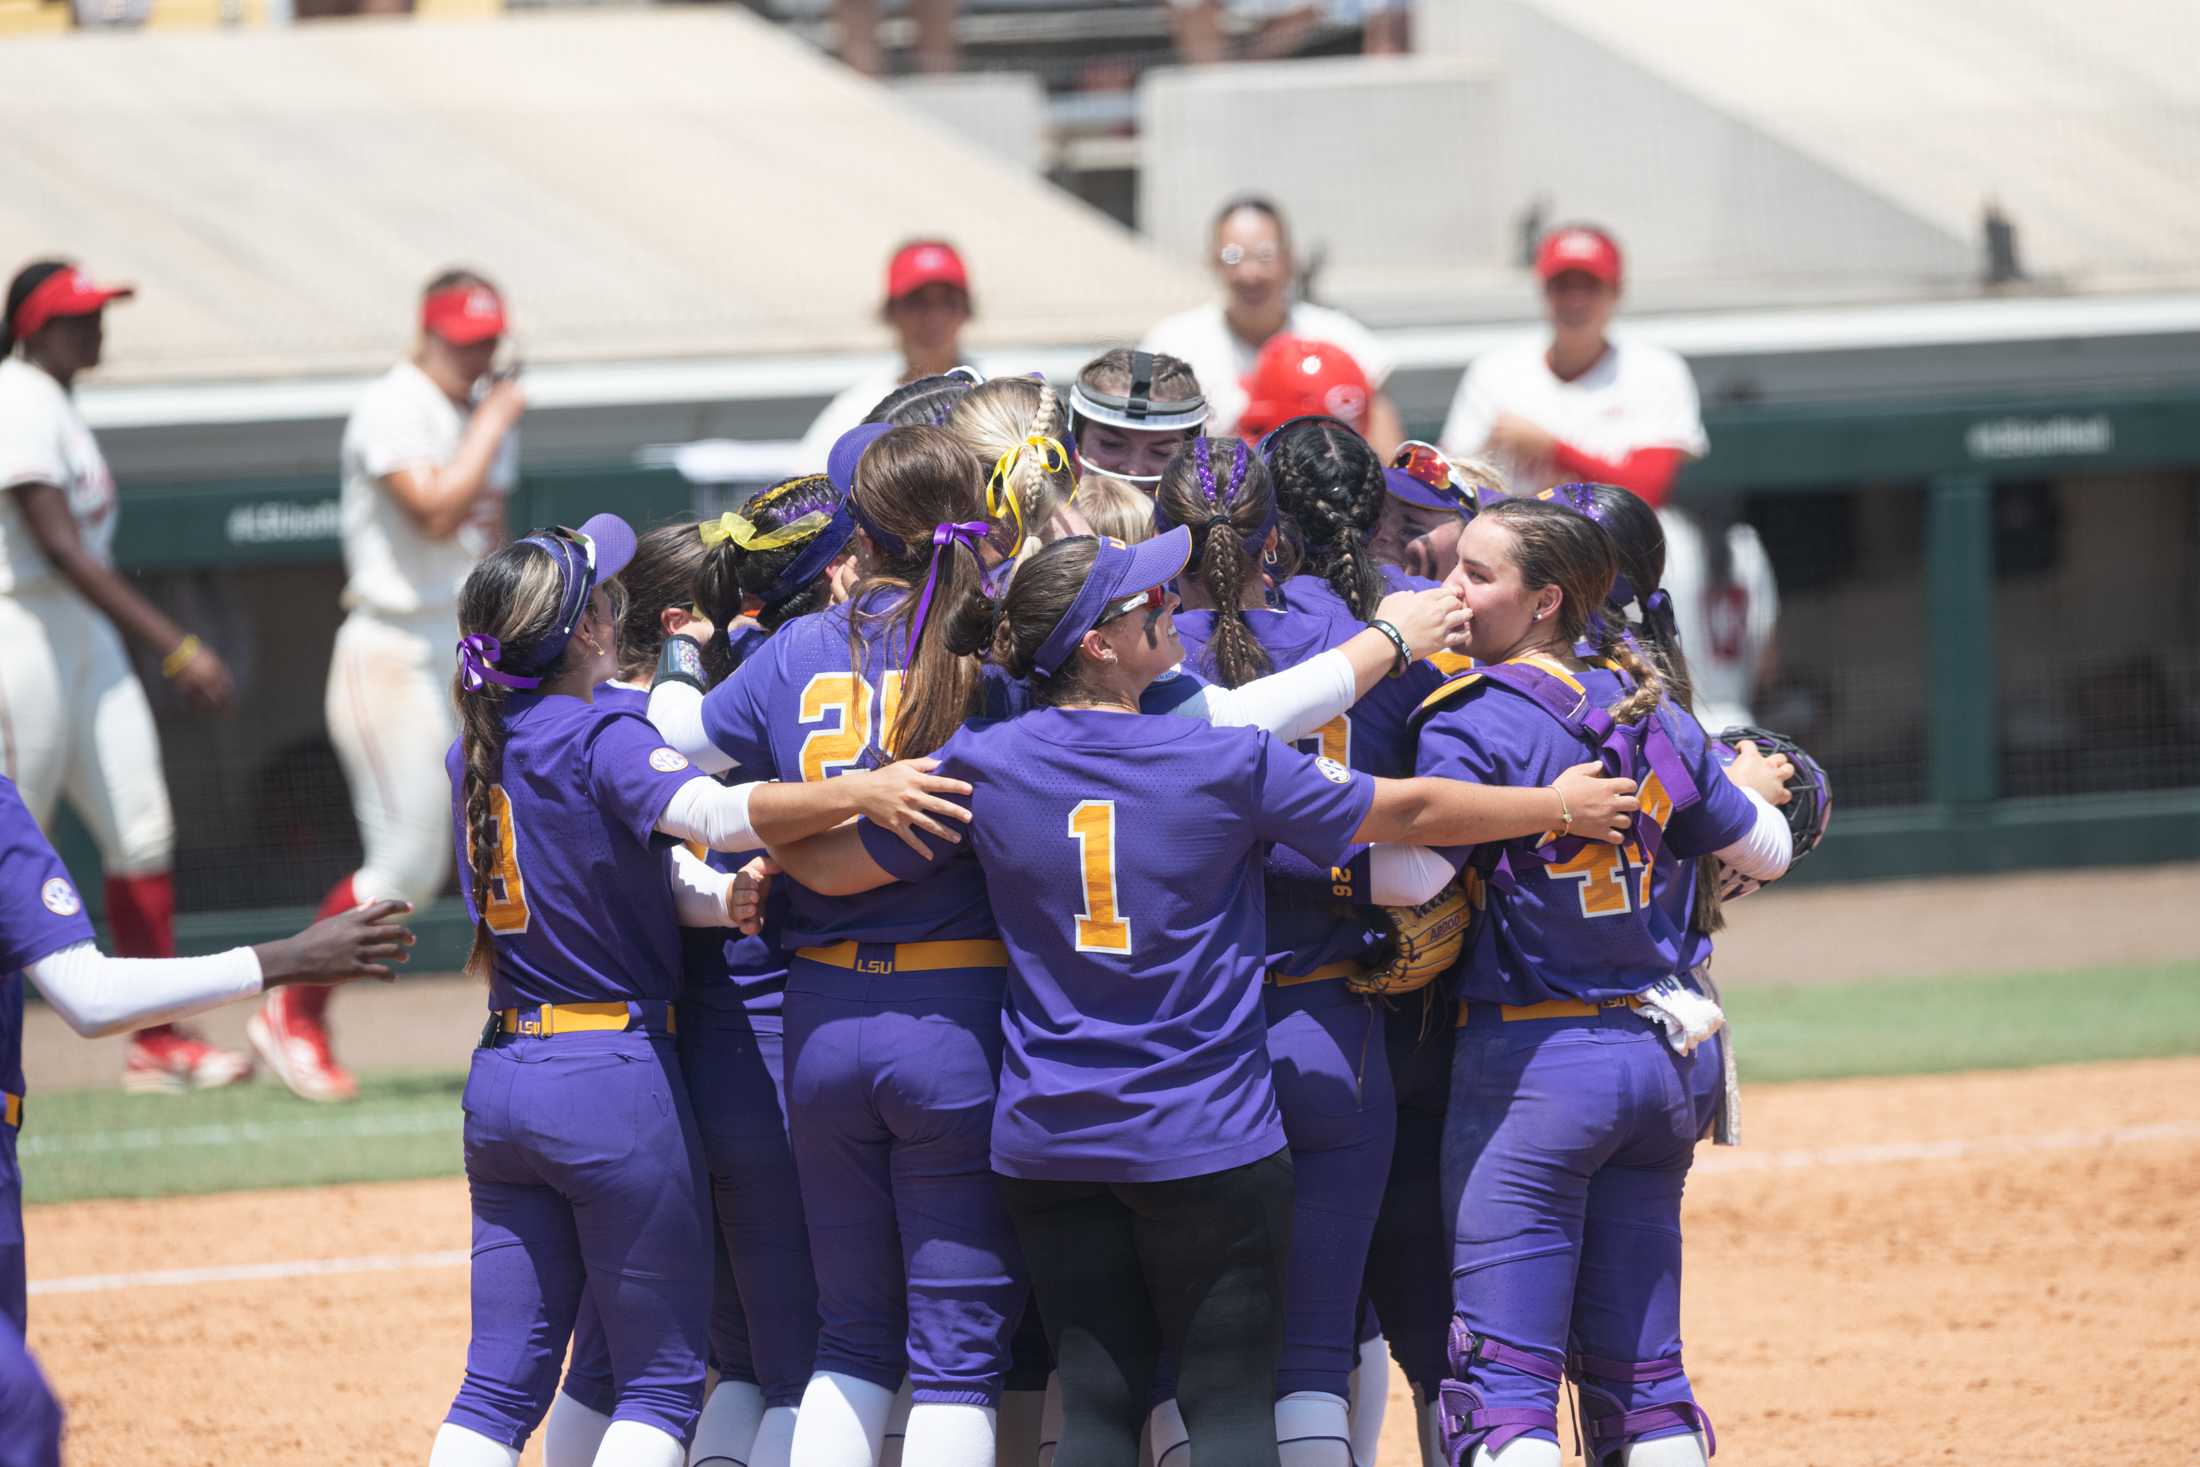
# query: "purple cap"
586 558
1117 571
847 452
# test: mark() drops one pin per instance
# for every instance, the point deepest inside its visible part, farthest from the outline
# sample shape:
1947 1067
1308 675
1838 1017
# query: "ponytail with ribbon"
969 534
1001 500
477 659
745 536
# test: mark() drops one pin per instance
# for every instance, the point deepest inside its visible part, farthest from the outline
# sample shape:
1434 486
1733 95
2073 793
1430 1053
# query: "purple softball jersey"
1579 920
1122 851
40 914
580 905
801 709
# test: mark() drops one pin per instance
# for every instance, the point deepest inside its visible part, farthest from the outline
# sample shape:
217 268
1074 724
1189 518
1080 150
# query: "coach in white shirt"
1222 340
1579 404
429 456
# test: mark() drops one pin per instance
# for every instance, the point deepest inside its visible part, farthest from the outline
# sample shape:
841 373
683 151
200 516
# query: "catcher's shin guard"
1613 1416
1466 1421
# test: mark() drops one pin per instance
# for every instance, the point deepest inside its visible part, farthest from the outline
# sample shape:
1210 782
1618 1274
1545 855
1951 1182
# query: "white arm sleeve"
699 890
677 710
1766 848
1289 704
714 814
96 994
1405 876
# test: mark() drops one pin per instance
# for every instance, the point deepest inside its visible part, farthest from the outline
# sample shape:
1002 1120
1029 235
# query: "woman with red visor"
429 457
74 719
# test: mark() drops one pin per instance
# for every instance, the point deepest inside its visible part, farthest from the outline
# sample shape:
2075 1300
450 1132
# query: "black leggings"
1124 1270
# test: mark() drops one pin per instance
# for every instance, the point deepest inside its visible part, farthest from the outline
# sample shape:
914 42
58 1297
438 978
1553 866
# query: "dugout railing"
1990 627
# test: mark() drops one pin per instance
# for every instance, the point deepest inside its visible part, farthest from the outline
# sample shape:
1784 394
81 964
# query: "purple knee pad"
1467 1422
1612 1410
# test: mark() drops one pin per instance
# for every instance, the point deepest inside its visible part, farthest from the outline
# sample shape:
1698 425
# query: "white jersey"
1220 358
43 440
1724 628
392 567
1636 396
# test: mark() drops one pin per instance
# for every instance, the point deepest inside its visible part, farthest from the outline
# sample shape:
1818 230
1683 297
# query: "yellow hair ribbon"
1053 457
742 532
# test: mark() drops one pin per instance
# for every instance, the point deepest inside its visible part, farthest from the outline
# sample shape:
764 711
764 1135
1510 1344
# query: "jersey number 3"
504 905
1100 927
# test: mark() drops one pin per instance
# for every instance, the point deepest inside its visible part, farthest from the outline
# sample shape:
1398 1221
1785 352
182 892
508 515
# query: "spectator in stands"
1579 405
927 305
1202 30
857 22
1222 340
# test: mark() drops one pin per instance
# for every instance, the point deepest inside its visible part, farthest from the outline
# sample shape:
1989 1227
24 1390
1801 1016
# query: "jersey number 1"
1100 929
504 904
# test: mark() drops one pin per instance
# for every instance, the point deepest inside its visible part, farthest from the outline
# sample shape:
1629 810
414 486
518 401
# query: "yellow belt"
571 1018
1327 971
1555 1008
911 957
13 1109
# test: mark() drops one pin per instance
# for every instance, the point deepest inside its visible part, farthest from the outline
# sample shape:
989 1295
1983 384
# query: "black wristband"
1397 640
680 660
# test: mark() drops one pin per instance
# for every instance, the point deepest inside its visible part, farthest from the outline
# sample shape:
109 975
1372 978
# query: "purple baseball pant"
1567 1146
763 1316
1409 1259
30 1417
586 1173
890 1088
1332 1078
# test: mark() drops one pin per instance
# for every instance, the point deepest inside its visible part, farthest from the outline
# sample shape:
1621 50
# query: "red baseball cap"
926 262
66 292
1296 378
1578 247
463 314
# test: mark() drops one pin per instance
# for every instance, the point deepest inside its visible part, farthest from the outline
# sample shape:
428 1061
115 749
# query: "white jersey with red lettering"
1636 396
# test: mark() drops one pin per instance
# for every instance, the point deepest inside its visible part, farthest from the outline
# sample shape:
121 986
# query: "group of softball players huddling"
988 991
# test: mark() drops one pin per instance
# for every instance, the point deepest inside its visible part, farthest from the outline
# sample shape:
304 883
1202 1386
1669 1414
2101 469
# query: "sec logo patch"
60 897
667 761
1332 771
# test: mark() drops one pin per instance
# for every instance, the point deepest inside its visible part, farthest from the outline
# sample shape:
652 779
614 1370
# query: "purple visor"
1118 570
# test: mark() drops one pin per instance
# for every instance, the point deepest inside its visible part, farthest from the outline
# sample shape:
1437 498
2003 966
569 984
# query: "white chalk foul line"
1716 1161
1719 1162
246 1133
301 1268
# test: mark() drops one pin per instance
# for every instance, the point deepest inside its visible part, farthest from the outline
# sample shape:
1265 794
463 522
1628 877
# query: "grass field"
88 1144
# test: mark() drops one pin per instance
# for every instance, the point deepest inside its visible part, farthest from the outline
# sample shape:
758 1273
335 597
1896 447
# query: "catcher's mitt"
1807 813
1424 941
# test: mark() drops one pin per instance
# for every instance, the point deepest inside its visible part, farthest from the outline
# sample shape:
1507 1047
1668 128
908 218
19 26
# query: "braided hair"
1222 492
997 423
1329 486
728 576
513 594
926 401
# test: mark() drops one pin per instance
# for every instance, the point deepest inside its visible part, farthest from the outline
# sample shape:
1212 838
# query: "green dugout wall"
1990 630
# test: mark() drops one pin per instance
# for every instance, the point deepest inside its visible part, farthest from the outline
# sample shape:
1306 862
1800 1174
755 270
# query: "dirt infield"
1890 1271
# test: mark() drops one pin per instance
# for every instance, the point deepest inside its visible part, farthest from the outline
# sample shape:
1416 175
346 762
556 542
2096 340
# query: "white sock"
949 1434
638 1444
774 1438
726 1432
896 1439
1050 1419
841 1422
572 1434
1313 1430
1521 1451
461 1446
1016 1428
1172 1444
1367 1398
1430 1416
1668 1451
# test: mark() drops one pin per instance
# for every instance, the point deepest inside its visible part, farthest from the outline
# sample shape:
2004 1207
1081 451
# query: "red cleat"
294 1042
169 1059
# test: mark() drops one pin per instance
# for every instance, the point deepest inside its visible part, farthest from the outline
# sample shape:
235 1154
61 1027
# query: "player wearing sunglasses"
1429 500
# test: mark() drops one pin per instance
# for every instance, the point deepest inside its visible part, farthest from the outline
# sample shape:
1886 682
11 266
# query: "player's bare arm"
1449 812
442 498
193 666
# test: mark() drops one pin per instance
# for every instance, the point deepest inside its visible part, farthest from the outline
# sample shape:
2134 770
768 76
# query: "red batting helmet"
1294 377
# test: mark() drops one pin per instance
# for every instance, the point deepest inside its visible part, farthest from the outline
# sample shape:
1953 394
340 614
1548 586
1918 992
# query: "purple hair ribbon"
477 658
968 533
